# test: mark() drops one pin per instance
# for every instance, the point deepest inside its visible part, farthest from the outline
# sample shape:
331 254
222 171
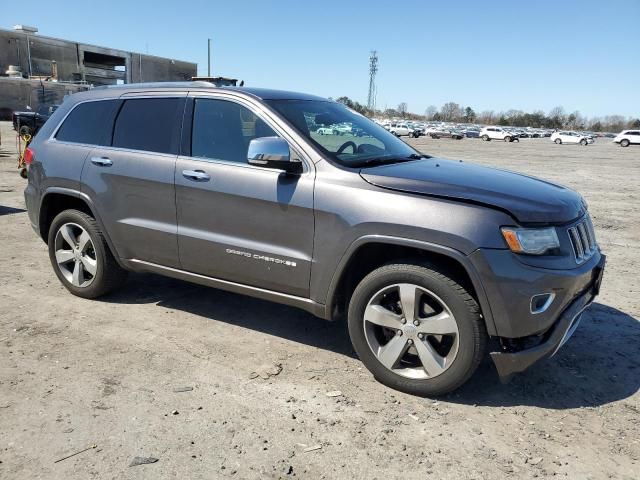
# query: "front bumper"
509 363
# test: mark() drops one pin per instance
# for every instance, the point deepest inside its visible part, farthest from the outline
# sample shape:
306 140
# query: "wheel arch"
370 252
56 200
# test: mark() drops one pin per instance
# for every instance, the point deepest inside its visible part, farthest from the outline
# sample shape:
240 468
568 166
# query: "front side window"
90 123
149 124
222 130
346 137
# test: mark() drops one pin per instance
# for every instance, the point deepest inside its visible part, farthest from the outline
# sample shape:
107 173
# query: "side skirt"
317 309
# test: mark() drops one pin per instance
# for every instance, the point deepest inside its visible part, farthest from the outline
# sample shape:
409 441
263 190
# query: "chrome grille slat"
583 239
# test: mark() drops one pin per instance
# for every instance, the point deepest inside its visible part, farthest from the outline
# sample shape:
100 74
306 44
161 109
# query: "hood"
528 199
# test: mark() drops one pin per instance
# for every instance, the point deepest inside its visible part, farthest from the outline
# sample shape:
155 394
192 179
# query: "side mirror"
272 152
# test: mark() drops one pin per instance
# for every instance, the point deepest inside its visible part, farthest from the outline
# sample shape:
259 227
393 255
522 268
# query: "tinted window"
222 130
90 122
150 124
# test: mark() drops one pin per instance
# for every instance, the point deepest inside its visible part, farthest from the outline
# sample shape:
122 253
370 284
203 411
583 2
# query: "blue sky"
583 55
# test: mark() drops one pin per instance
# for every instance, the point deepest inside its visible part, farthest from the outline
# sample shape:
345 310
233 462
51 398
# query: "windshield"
347 137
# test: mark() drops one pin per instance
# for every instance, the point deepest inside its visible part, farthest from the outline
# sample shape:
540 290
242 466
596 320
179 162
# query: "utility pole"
208 57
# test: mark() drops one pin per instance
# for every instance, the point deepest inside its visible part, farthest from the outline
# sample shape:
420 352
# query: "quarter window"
149 124
222 130
90 123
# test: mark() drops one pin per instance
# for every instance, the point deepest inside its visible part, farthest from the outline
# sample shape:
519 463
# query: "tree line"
453 112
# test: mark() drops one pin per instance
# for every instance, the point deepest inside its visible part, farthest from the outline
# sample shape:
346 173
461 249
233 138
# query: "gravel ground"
255 376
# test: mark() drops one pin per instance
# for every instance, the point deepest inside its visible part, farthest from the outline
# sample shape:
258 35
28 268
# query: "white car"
402 129
496 133
628 137
570 137
325 131
342 128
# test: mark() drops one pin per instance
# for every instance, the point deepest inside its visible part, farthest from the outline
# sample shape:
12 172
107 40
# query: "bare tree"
558 117
450 111
487 117
402 109
430 112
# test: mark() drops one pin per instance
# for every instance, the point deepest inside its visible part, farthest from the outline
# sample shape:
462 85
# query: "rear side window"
90 123
149 124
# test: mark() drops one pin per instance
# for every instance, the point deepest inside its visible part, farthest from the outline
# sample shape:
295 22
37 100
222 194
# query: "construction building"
37 70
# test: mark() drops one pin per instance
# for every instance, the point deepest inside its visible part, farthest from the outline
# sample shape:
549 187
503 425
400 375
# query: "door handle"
196 175
101 161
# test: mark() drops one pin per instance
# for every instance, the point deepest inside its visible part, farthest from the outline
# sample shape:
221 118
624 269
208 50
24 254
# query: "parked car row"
486 133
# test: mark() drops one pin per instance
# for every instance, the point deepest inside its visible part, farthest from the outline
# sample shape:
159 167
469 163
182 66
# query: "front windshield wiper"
372 162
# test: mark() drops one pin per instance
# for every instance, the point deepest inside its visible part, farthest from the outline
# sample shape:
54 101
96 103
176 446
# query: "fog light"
541 302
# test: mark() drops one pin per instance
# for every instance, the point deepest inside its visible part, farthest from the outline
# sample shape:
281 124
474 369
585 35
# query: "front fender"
453 254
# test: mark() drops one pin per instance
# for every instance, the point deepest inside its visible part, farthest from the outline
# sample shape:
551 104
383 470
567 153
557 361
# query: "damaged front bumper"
510 362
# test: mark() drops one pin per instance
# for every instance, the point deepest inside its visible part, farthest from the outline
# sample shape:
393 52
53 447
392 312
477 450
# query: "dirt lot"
74 373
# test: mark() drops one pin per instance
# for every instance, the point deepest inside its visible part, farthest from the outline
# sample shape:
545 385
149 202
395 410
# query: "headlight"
534 241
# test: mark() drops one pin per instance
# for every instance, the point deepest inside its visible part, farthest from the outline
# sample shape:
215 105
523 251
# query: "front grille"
583 239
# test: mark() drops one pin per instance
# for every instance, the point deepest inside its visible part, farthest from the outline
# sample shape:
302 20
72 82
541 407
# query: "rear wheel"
25 130
81 257
584 142
485 138
624 143
416 329
558 141
508 139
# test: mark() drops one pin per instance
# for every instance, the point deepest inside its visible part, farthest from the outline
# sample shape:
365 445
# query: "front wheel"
81 257
485 138
584 142
624 143
507 139
416 329
558 141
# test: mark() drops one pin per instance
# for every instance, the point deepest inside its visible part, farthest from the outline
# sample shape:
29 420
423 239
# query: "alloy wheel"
75 255
411 331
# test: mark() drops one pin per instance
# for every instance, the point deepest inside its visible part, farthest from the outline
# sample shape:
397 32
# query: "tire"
516 139
558 141
25 130
508 139
485 138
461 313
95 254
584 142
624 142
24 173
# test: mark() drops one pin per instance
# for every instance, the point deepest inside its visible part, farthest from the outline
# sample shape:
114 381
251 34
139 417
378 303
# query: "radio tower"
373 69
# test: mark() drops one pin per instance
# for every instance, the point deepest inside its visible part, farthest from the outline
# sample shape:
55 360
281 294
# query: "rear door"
132 180
239 222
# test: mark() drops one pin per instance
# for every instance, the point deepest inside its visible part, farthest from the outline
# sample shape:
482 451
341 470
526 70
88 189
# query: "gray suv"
270 194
